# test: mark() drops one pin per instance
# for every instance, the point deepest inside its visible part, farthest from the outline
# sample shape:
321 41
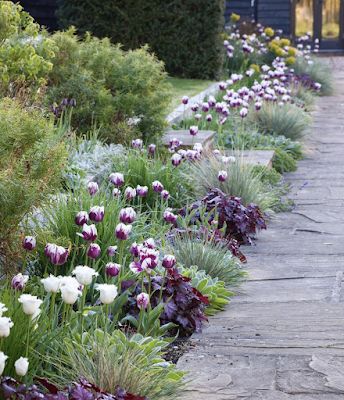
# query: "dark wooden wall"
241 7
43 11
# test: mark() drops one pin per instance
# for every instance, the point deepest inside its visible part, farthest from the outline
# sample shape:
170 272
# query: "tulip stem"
52 306
28 337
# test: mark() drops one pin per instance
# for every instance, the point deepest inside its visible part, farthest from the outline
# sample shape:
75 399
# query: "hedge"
185 34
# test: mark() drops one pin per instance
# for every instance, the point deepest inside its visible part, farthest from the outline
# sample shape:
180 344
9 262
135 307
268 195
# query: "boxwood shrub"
185 34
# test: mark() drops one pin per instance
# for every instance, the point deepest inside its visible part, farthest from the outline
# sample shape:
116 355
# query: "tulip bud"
170 217
93 251
57 254
3 359
92 188
96 214
142 191
176 159
243 112
112 269
130 193
116 178
136 144
21 366
222 176
195 107
134 249
127 215
151 149
18 281
142 301
185 100
169 261
258 105
122 231
116 192
165 195
29 243
157 186
89 232
81 218
209 118
111 251
193 130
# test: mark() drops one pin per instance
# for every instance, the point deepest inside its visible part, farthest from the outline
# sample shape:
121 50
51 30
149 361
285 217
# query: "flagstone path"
282 337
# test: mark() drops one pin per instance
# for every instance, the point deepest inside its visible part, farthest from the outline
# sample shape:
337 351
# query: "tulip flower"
21 366
57 254
111 251
209 118
3 359
169 261
135 249
93 251
122 231
127 215
141 191
89 232
185 100
150 243
165 195
136 267
243 112
107 293
3 309
116 192
116 178
70 294
51 284
92 188
195 107
170 217
5 326
136 144
174 143
142 300
157 186
211 101
130 193
151 149
222 176
84 274
81 218
29 243
69 281
176 159
19 281
112 269
198 147
96 214
193 130
30 304
198 117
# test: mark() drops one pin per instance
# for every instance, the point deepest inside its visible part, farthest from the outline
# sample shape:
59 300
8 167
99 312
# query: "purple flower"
169 261
116 178
130 193
198 117
136 144
142 301
112 269
243 112
193 130
19 281
149 243
92 188
81 218
165 195
211 101
111 251
205 107
96 214
122 231
29 243
222 85
151 149
141 191
170 217
135 267
116 192
157 186
209 118
174 144
258 105
135 249
185 100
127 215
176 159
195 107
57 254
93 251
89 232
222 176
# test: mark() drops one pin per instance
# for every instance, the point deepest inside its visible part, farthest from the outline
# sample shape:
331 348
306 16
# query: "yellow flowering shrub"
269 32
234 18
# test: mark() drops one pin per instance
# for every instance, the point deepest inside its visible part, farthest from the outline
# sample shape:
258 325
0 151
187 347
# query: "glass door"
331 29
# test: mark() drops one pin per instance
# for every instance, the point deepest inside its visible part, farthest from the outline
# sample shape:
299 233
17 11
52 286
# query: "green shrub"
111 360
287 120
184 34
283 161
26 53
110 86
31 160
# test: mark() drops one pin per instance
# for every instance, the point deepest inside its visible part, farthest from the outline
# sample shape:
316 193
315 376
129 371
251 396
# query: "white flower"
30 304
51 284
84 274
3 359
3 309
107 293
70 294
21 366
5 326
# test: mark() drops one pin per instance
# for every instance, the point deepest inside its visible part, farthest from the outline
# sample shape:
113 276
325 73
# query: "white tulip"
3 309
69 281
21 366
51 284
30 304
107 293
3 359
70 294
84 274
5 326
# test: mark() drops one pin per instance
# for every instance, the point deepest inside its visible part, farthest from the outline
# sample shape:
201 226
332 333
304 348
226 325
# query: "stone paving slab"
282 337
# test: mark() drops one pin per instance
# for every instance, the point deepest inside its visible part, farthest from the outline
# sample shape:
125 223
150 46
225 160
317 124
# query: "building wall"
241 7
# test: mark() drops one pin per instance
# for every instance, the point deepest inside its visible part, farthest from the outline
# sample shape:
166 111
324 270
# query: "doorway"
322 19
